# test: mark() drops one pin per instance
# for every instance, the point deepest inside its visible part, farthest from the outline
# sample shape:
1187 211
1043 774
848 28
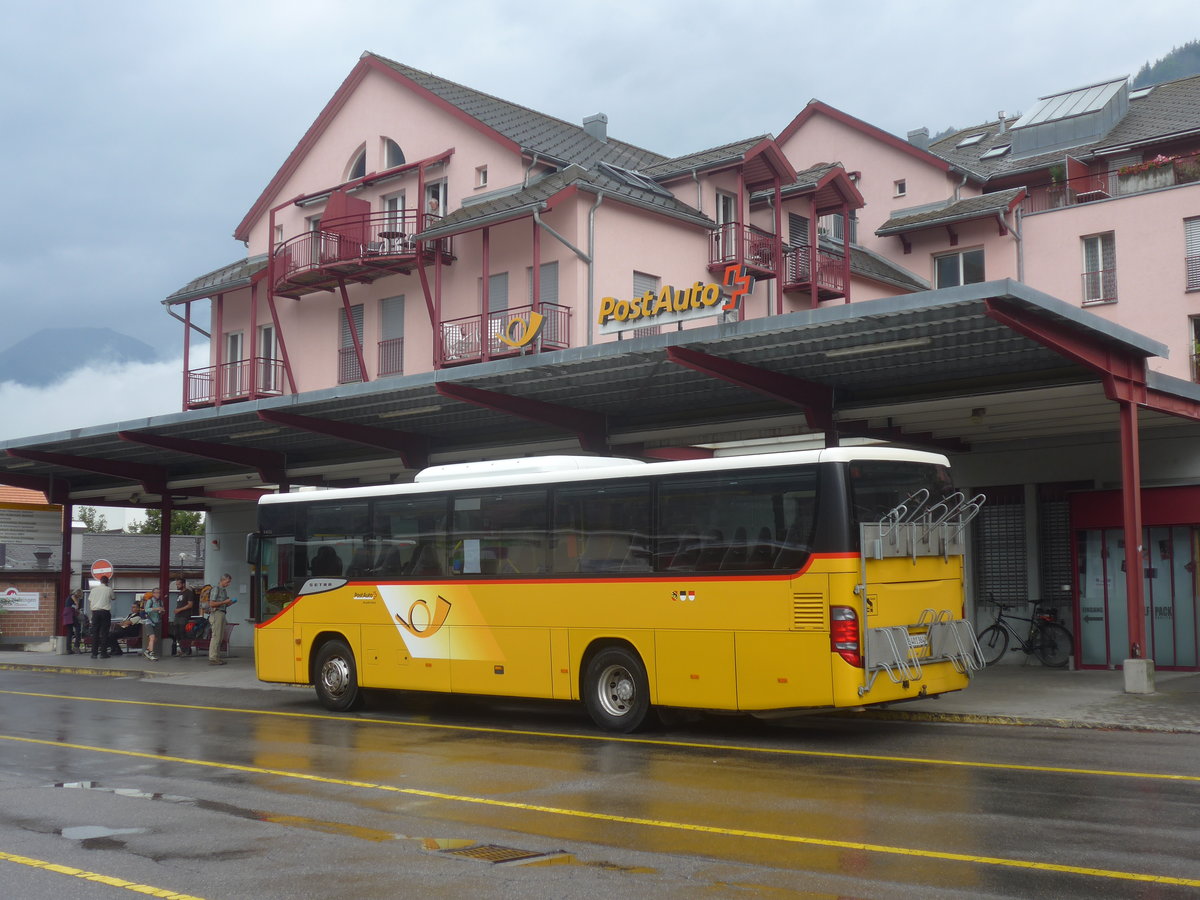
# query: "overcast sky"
137 134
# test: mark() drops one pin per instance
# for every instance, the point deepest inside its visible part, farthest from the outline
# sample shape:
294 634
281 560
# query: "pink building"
421 225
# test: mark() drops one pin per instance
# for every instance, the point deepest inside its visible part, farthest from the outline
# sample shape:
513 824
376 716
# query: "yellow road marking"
144 889
653 742
632 820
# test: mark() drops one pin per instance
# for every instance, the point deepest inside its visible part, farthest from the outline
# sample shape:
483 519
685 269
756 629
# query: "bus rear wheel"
336 678
616 690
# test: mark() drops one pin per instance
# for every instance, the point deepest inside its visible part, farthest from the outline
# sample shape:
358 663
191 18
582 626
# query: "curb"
72 670
1023 721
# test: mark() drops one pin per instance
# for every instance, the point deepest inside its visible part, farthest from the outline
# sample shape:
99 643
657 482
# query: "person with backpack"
152 610
186 606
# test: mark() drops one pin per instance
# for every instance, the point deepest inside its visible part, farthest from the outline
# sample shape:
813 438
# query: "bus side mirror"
252 544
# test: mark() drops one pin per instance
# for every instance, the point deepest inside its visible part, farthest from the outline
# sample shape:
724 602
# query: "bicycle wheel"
1053 645
993 641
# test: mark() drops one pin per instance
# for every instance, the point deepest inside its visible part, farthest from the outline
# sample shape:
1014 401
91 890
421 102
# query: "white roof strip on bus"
525 465
605 469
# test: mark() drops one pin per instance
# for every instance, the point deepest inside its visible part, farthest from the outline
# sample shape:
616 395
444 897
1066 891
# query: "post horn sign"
102 567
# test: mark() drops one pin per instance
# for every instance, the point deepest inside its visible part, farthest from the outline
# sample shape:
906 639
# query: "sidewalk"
1005 695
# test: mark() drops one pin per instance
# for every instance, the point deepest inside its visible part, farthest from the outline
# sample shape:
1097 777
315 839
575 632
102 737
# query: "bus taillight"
843 634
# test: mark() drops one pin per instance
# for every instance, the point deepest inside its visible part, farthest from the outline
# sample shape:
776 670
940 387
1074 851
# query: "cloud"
92 396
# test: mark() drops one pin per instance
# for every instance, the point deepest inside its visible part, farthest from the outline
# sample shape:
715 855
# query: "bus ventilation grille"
808 612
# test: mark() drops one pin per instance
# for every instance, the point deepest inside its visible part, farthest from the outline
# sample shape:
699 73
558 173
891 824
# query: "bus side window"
426 560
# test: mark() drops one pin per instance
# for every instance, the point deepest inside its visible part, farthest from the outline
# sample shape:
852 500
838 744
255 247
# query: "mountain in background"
1179 63
54 353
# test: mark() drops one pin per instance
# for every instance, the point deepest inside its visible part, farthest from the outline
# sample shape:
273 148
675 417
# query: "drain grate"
494 853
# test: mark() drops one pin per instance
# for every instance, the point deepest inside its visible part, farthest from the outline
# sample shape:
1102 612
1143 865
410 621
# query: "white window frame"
1097 249
900 187
960 254
481 177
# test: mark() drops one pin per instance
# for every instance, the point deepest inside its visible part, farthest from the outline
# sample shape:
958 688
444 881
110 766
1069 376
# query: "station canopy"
979 367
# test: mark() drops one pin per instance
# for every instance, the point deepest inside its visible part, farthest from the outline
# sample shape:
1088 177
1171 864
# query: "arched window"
392 154
358 167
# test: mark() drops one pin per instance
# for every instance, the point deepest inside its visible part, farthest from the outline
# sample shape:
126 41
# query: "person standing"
185 608
100 601
71 614
217 604
152 611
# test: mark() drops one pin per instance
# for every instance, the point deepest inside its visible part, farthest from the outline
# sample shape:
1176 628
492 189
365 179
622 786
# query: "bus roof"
556 469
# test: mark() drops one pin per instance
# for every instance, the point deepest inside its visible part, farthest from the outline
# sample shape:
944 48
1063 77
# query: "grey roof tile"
969 208
703 159
234 275
526 127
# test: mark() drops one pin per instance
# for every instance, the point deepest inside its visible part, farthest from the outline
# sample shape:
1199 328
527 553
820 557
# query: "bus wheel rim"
616 690
335 676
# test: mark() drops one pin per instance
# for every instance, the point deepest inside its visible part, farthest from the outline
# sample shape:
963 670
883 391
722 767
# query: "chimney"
1000 115
919 137
597 126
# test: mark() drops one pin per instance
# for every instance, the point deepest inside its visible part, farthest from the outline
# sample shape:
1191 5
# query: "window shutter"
797 230
357 312
1191 229
498 292
549 282
392 318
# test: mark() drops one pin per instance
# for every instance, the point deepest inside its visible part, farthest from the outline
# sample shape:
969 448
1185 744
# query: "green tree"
93 520
182 522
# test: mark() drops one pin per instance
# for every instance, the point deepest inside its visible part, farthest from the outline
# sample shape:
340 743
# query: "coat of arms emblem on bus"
423 622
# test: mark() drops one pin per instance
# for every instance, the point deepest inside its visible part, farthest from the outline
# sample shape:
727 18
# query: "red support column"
485 296
164 550
252 340
216 348
1131 501
187 352
354 336
64 575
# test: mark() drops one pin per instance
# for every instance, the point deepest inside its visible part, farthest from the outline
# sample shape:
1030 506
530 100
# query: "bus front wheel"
617 691
336 678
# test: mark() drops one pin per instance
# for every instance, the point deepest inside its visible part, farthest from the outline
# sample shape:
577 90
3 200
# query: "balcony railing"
736 244
462 339
391 356
364 247
242 379
1100 286
829 272
348 368
1103 185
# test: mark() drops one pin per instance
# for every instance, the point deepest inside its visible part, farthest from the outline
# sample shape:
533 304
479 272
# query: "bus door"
273 589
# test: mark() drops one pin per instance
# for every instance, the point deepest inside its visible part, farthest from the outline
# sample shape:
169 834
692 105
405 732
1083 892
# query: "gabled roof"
816 107
543 192
517 127
983 206
761 157
237 274
1167 112
871 265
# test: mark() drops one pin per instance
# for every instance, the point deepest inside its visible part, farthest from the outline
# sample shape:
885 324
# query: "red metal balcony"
736 244
829 272
231 382
461 339
355 248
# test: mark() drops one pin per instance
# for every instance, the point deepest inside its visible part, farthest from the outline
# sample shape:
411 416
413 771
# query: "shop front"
1171 543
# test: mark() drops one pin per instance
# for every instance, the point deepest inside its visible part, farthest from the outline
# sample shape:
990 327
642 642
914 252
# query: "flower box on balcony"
1149 180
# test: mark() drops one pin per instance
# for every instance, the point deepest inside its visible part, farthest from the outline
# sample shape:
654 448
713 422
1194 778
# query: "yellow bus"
764 584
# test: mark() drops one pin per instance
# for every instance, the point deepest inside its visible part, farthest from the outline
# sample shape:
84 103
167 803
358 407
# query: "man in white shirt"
100 601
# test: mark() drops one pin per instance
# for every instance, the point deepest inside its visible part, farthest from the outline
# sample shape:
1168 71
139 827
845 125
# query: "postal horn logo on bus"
678 300
521 330
422 621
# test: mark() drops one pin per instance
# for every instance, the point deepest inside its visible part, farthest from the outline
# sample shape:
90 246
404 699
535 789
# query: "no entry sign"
102 567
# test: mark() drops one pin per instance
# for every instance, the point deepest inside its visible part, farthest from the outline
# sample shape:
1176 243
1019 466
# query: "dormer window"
358 166
392 154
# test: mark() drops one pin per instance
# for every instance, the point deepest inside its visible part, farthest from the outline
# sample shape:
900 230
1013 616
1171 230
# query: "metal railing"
1104 185
1100 286
349 371
734 242
462 339
242 379
391 356
829 273
373 237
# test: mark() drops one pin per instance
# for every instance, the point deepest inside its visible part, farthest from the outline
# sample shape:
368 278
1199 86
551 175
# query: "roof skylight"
973 139
996 152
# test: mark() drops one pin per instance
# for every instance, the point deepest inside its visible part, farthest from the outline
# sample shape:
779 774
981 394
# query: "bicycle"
1047 640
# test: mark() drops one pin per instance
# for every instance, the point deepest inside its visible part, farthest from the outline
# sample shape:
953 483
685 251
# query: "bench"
202 644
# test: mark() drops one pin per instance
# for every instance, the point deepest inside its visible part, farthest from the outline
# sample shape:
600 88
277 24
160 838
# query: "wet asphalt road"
178 791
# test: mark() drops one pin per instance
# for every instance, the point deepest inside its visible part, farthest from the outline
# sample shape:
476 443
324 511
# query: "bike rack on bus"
912 529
